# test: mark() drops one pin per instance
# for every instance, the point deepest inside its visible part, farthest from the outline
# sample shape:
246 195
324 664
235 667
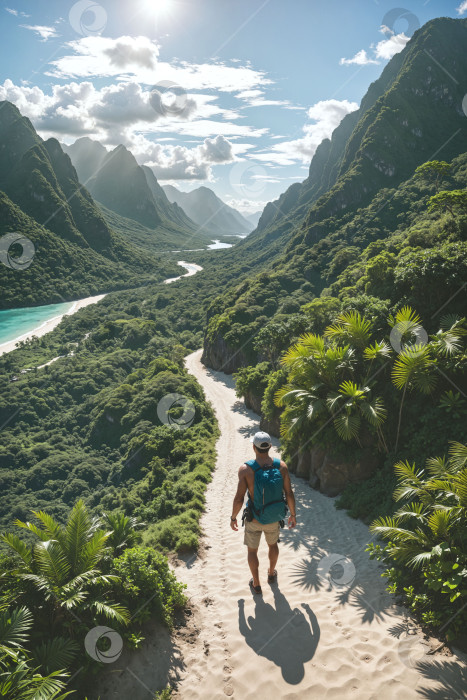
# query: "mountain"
87 156
254 218
117 182
354 194
209 212
412 113
76 251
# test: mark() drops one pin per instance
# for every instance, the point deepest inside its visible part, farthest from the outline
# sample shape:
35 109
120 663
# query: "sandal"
272 578
256 589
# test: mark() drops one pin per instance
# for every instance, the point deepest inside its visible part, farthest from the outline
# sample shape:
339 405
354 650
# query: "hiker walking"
267 481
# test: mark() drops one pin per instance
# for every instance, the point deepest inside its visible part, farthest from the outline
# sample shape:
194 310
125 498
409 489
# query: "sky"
235 95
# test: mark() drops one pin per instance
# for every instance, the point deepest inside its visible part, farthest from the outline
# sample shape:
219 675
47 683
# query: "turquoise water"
17 322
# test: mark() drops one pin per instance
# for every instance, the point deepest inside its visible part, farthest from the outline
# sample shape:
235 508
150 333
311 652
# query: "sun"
158 8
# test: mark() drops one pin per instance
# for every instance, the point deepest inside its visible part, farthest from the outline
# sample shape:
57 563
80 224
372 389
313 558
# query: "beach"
50 324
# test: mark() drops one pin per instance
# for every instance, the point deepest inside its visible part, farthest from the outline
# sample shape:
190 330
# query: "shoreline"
49 325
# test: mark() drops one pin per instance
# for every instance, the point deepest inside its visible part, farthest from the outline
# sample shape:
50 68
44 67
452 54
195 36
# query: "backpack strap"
253 464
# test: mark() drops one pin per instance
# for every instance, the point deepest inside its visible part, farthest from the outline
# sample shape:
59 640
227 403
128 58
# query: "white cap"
261 440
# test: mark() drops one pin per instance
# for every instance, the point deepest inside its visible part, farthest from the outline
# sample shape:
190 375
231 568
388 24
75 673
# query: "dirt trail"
327 630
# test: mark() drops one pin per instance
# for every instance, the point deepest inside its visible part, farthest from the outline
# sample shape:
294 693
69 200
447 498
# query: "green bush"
146 580
426 550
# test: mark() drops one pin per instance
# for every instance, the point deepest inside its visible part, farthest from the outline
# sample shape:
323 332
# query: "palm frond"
15 626
378 349
347 425
458 454
374 412
77 534
18 547
55 654
112 611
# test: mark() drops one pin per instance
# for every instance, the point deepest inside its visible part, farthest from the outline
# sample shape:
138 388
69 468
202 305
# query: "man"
247 476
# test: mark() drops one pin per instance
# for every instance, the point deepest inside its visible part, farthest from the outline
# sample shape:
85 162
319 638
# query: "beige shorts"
253 532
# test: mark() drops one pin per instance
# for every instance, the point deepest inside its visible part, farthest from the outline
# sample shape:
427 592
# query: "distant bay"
20 324
15 323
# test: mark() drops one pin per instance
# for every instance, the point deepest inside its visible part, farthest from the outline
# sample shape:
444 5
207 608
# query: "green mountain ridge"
119 183
76 252
396 119
371 154
210 213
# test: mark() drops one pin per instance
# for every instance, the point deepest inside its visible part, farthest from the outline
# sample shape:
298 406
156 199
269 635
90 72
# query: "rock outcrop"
219 356
331 473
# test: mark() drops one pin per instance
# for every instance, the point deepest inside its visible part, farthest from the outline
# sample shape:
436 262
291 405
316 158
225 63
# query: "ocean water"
17 322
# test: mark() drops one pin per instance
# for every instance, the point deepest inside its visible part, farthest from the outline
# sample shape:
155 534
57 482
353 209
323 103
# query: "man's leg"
254 565
273 557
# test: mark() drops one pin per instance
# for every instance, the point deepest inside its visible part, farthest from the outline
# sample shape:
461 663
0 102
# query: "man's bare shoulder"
243 471
284 467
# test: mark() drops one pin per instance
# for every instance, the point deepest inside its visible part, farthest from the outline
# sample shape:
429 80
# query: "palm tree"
19 680
324 381
353 404
63 565
416 364
123 531
430 528
315 367
352 328
413 369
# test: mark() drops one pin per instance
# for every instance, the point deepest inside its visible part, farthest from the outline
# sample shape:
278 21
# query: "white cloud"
138 58
217 150
387 48
326 115
462 8
16 13
176 162
123 54
256 98
107 114
44 32
361 58
246 206
384 49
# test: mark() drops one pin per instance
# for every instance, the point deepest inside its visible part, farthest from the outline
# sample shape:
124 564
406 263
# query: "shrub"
426 551
146 578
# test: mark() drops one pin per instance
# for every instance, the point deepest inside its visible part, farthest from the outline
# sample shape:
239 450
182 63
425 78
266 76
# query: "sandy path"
309 636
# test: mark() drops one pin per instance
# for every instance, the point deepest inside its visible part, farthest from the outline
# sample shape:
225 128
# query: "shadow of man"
282 635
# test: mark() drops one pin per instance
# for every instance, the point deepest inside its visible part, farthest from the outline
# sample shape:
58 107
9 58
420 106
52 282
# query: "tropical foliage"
426 550
336 381
59 582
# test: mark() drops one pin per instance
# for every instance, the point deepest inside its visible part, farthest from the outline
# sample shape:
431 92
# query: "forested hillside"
343 317
75 253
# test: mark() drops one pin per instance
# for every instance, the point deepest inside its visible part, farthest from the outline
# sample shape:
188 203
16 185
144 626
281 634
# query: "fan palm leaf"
55 654
347 425
412 368
352 327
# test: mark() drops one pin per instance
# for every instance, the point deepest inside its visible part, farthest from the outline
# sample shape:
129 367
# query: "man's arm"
289 495
239 496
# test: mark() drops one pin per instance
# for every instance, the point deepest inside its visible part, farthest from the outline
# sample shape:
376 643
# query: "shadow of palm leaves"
451 677
304 574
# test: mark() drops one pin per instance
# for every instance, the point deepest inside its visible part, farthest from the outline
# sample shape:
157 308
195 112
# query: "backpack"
269 504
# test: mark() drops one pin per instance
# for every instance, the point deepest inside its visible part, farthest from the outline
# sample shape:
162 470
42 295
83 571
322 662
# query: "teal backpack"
269 504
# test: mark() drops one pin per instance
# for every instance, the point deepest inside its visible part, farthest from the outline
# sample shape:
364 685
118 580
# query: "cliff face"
219 356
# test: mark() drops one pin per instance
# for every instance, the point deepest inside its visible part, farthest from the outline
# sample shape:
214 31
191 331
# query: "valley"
334 320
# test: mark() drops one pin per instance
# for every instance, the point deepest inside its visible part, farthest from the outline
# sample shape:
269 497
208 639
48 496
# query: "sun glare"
158 8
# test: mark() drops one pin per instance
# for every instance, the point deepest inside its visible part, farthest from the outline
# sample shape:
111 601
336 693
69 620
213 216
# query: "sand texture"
326 630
